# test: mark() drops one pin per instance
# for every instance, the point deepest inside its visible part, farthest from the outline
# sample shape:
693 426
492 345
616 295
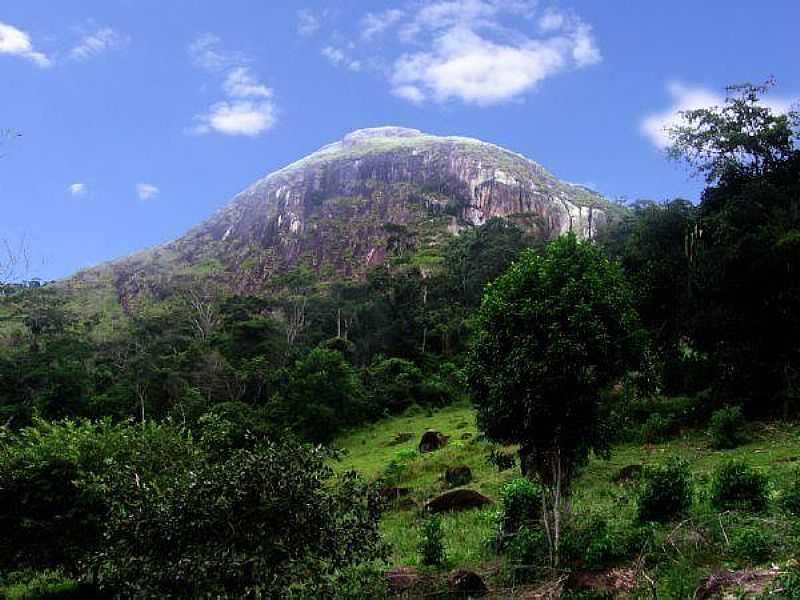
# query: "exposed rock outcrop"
377 192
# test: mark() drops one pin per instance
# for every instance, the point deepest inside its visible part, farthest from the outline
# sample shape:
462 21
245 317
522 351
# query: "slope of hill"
376 193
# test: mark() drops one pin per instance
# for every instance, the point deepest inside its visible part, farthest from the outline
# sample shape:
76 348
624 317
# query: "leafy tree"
741 138
553 331
746 281
324 395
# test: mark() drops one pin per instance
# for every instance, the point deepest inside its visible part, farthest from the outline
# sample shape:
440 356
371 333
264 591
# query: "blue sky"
139 118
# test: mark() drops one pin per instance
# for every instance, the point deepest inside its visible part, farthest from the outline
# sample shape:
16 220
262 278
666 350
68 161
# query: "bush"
665 492
727 428
738 486
431 543
49 585
597 543
51 511
657 428
751 544
251 525
529 547
522 505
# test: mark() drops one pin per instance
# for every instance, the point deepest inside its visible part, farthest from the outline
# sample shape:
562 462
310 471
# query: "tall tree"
553 331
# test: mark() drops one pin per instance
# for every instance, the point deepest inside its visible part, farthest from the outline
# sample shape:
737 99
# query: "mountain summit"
377 192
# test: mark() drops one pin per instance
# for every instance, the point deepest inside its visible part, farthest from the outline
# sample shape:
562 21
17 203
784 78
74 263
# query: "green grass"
773 449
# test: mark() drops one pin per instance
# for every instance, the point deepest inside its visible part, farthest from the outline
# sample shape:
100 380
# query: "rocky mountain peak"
378 193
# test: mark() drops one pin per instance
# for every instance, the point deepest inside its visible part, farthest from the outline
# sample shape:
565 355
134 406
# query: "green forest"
497 415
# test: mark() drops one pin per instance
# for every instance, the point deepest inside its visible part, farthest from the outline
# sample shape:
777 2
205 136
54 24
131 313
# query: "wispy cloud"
97 42
16 42
479 52
207 52
146 191
338 57
248 108
78 189
656 126
307 22
374 24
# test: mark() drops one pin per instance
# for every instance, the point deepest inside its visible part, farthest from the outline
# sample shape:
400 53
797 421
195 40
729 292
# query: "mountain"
351 204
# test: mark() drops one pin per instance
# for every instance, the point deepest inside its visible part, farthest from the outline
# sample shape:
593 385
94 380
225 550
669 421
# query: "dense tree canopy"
553 331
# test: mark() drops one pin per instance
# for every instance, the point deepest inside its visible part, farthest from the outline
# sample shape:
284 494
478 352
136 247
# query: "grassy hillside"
681 555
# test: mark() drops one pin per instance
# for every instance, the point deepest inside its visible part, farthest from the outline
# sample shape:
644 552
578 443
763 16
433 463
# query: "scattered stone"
401 438
458 476
628 474
432 440
457 500
401 579
462 581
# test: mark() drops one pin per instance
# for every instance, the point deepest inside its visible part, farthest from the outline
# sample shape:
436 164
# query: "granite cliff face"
376 192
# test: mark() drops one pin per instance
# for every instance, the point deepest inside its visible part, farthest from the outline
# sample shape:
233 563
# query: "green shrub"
657 428
791 495
751 544
529 547
665 491
598 543
737 486
248 526
522 504
51 511
431 543
727 428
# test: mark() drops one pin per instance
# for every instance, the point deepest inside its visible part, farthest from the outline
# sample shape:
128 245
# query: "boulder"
401 579
464 582
458 476
457 500
432 440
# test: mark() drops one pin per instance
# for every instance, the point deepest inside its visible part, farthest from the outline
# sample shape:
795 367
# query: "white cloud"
146 191
16 42
684 98
78 189
248 109
242 117
96 43
373 24
339 58
307 22
478 52
473 58
240 83
206 52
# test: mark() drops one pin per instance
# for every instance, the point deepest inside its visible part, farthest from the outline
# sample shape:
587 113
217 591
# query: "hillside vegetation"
506 412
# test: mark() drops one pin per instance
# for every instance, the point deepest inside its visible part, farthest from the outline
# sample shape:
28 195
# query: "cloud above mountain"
477 52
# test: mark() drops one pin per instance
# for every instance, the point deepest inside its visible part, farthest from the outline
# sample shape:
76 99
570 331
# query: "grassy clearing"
773 449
